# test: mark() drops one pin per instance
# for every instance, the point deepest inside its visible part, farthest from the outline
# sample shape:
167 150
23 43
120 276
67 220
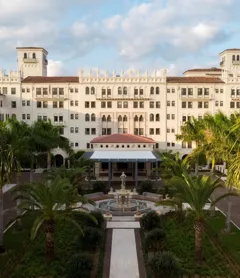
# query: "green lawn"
230 241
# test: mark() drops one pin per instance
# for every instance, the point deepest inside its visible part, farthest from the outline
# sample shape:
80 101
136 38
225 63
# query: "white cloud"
55 68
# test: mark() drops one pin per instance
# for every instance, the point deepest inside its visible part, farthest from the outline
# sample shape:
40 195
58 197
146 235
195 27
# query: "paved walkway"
124 260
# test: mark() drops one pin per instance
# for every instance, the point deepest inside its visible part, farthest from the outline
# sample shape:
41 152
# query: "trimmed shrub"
90 239
150 221
154 239
99 186
165 264
145 186
79 265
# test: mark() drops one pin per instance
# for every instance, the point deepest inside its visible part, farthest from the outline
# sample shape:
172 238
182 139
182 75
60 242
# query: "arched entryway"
59 160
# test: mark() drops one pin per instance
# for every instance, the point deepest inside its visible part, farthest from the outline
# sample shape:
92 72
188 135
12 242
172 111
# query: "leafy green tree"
49 199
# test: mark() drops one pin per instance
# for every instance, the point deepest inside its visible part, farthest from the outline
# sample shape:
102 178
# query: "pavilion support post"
109 174
136 174
156 172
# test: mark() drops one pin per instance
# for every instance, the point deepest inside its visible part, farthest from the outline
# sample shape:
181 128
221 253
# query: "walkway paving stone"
124 262
123 225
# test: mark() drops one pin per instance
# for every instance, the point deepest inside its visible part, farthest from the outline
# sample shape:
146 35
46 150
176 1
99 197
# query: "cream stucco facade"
96 103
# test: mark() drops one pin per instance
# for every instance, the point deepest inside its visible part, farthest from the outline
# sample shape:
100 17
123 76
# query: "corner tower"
230 59
32 61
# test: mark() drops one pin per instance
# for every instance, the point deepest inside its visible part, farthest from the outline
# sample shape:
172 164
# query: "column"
148 168
136 174
109 174
97 169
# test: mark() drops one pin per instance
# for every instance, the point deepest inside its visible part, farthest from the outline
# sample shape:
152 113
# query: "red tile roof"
51 79
194 79
123 138
204 69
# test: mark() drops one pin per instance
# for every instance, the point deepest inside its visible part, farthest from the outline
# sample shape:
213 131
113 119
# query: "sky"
120 34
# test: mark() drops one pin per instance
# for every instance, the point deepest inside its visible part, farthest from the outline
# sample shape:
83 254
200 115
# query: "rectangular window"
93 105
76 116
60 118
173 130
28 116
109 92
135 92
221 103
28 102
158 104
173 103
190 91
141 131
76 90
23 90
119 104
109 131
151 131
28 90
173 91
109 104
125 104
168 144
183 91
54 91
23 103
233 92
88 145
45 118
238 92
200 91
173 116
45 91
168 91
61 91
76 129
13 91
39 118
216 91
39 104
221 91
103 104
72 103
205 104
141 104
76 102
199 104
168 103
206 92
238 104
93 131
151 104
45 104
71 116
71 90
38 91
87 104
55 118
184 118
184 145
61 131
54 104
5 90
76 144
61 104
173 144
190 104
168 116
71 129
184 104
87 131
168 130
157 131
141 92
189 145
216 103
103 92
135 104
23 116
125 130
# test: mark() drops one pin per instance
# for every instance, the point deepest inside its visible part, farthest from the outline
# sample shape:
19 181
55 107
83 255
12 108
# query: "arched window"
237 57
14 116
233 57
109 118
151 118
119 118
157 91
141 118
25 55
135 91
136 118
93 117
157 117
103 118
141 92
125 118
109 91
87 118
92 91
119 90
34 55
125 90
103 91
87 91
152 91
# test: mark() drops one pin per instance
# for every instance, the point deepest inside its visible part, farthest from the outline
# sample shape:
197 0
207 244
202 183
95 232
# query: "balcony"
30 60
236 63
63 123
51 97
221 63
122 98
196 97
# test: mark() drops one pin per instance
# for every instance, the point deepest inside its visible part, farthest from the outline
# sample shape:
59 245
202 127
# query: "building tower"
32 61
230 60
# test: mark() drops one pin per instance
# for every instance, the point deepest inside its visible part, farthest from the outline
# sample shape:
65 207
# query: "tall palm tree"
191 131
196 192
49 200
47 137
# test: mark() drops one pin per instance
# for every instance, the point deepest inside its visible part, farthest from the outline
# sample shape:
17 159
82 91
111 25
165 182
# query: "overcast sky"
120 34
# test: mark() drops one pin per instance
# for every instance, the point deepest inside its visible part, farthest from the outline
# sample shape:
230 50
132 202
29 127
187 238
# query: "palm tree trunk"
212 212
49 160
2 250
229 213
19 211
199 227
196 168
49 236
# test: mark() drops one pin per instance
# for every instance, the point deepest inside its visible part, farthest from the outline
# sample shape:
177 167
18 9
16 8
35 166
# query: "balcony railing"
236 63
196 97
221 63
30 60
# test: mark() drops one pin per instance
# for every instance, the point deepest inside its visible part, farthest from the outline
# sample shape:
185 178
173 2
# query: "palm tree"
192 131
49 199
47 137
196 192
